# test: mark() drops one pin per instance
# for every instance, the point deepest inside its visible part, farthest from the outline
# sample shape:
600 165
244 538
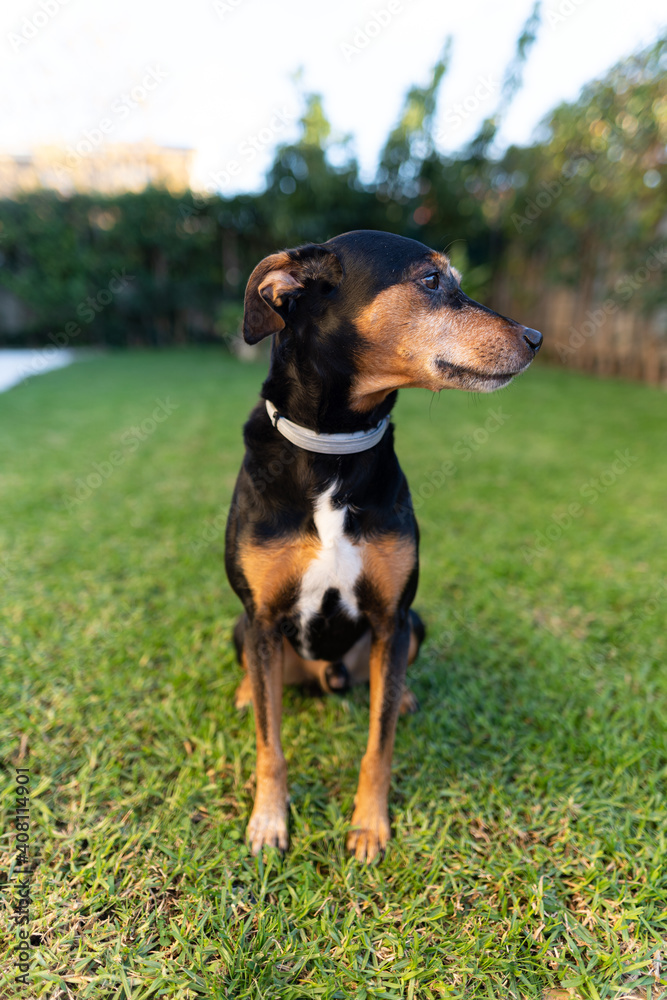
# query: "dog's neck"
313 389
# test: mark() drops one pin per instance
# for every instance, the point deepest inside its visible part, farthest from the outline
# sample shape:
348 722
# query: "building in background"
110 168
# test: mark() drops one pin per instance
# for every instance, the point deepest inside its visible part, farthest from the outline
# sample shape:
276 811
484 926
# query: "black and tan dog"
321 539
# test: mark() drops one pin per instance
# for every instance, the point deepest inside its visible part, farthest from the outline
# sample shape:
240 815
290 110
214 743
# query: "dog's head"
397 309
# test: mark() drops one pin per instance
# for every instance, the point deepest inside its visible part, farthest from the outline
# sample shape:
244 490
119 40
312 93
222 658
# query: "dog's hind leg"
357 661
333 678
243 695
296 670
409 703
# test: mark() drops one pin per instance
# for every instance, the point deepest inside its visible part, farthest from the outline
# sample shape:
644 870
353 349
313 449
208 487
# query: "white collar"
326 444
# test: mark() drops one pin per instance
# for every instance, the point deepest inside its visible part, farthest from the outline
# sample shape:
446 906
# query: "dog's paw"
369 835
267 828
243 696
408 704
336 678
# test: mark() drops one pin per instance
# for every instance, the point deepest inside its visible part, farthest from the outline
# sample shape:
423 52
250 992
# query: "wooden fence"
609 338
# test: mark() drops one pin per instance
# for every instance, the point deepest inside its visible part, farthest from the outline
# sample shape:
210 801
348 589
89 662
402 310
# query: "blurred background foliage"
585 205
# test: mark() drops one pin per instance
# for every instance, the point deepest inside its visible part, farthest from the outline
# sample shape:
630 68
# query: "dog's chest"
331 575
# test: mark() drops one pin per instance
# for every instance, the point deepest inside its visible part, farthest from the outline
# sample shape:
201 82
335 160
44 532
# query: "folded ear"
269 289
278 281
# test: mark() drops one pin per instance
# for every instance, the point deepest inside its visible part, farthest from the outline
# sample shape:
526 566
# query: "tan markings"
268 821
243 696
403 337
388 561
271 566
445 265
370 820
297 670
408 704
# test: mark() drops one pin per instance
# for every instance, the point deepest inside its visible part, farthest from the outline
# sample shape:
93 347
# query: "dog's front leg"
263 651
388 662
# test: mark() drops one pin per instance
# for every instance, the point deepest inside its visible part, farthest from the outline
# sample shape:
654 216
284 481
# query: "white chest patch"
337 564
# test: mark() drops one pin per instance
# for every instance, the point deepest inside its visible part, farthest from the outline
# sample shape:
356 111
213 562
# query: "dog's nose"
533 338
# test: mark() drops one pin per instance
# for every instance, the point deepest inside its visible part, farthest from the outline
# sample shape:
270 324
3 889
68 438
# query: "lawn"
528 799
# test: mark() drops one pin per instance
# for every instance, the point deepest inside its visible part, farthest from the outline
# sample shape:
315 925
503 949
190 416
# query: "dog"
321 540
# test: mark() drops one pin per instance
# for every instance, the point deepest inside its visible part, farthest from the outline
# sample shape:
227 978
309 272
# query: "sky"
226 77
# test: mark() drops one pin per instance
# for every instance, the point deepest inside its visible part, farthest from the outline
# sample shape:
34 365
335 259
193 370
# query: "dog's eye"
431 280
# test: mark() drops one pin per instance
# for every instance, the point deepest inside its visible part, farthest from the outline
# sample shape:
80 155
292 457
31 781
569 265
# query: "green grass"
528 797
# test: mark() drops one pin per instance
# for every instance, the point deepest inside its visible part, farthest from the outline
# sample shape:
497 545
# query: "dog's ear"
270 288
277 282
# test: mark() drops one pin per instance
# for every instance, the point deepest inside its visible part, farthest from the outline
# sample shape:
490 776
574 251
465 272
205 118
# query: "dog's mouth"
468 378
